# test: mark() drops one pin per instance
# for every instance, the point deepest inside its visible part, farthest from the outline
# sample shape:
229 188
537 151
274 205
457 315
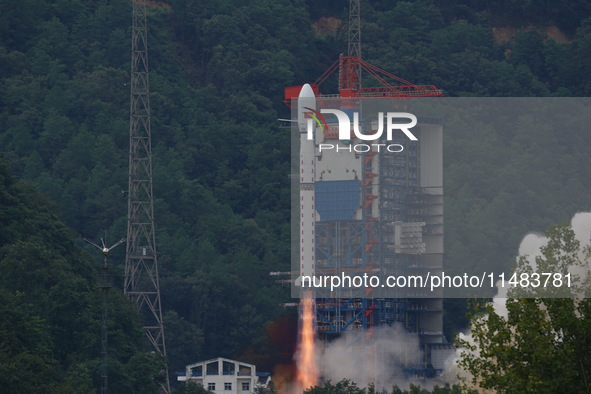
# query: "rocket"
307 263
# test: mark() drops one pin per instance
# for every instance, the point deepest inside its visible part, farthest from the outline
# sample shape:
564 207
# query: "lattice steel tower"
350 70
354 39
141 265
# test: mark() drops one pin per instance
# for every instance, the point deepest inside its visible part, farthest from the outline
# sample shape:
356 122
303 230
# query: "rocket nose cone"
306 100
306 91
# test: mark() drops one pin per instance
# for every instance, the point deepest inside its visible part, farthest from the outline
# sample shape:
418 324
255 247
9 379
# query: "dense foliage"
541 345
51 307
221 162
348 387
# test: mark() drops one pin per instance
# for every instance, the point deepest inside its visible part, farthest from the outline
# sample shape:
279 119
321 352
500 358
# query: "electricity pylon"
141 264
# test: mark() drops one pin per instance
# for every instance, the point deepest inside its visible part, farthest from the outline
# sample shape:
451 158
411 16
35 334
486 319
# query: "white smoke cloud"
377 356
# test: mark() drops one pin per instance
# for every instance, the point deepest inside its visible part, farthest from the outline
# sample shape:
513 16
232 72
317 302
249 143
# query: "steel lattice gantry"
141 263
380 213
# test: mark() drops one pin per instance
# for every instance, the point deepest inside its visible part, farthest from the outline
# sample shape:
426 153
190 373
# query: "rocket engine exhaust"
307 369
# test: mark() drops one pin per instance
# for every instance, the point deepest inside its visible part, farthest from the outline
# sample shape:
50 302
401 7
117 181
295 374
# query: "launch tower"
377 212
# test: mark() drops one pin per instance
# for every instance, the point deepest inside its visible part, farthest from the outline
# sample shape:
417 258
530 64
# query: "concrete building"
225 376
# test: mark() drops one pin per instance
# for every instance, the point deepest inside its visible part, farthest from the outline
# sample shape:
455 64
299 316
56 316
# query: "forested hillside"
51 307
221 161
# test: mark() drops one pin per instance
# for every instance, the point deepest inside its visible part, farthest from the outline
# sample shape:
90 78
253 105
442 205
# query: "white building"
225 376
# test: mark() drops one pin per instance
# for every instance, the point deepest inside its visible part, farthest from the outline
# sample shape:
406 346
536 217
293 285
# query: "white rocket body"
307 179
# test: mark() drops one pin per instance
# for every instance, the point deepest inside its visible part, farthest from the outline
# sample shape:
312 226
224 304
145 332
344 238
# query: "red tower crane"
350 72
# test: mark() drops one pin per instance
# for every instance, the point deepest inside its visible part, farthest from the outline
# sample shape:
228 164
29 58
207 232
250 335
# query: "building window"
227 386
213 368
245 386
211 386
228 368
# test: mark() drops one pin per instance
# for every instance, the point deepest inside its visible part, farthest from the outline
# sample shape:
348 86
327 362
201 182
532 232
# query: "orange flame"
307 375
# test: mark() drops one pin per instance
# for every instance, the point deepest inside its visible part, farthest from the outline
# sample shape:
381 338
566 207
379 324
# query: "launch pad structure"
378 213
374 212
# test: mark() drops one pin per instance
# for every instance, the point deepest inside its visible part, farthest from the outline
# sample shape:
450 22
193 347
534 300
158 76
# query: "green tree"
184 341
543 344
145 372
346 386
191 388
